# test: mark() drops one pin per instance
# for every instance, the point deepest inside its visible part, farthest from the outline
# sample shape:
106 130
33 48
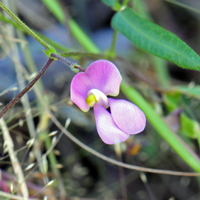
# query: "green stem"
125 2
82 38
73 66
182 5
184 152
26 28
113 45
162 74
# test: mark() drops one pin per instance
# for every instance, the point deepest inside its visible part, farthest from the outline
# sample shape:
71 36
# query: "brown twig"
26 89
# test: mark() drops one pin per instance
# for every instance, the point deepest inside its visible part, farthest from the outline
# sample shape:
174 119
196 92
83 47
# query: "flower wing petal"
104 76
80 86
127 116
108 131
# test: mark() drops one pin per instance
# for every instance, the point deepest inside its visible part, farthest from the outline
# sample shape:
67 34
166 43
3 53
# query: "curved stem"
115 162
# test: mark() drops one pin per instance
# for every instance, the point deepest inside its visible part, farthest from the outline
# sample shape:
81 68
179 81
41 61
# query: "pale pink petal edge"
79 88
128 117
108 131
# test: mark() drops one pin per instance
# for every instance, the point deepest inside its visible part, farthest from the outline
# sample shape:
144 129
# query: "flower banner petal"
104 76
127 116
80 86
108 131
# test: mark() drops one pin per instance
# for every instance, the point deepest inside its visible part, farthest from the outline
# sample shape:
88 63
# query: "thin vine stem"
125 2
73 66
68 63
27 88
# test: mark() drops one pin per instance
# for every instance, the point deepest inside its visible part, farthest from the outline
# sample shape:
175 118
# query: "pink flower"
91 88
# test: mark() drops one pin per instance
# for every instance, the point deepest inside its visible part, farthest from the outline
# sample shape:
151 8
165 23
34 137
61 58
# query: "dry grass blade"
15 163
11 196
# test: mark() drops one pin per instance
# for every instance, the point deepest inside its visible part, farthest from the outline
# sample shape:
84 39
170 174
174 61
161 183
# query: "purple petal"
104 76
80 86
108 131
127 116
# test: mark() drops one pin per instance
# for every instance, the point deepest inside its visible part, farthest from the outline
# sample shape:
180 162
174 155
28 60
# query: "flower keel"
107 129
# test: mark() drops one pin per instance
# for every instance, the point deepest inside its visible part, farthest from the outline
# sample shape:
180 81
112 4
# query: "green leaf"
171 100
155 40
50 51
189 127
56 9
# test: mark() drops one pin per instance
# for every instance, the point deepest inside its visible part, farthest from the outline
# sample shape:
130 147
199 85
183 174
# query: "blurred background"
78 173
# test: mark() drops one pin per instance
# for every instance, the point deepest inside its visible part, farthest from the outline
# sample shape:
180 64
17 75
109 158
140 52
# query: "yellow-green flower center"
91 100
96 96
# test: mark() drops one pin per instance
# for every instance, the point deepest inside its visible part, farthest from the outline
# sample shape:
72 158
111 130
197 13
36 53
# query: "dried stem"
12 196
15 163
118 152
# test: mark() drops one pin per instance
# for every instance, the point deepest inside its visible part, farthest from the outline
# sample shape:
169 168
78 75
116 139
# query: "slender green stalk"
73 66
184 6
125 2
162 74
184 152
82 38
29 60
56 9
82 54
26 28
43 37
76 31
113 45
